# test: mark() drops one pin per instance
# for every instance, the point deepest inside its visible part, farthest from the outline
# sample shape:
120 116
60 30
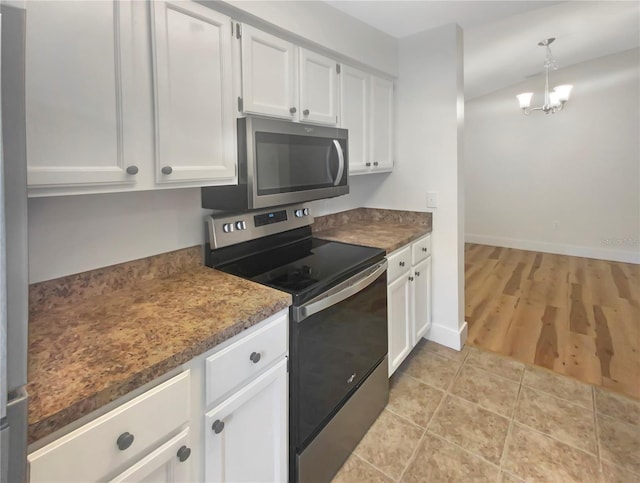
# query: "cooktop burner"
303 268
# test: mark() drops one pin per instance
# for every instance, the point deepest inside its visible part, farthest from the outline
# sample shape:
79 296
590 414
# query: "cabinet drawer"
399 263
91 452
236 364
421 249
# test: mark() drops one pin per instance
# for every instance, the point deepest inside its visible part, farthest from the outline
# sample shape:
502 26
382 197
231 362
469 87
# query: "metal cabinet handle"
183 453
424 249
132 169
410 279
293 110
124 441
305 112
217 426
402 264
375 163
255 357
367 164
417 274
167 170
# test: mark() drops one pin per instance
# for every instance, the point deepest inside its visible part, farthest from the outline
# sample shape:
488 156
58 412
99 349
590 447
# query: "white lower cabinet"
246 434
130 438
408 299
167 464
224 418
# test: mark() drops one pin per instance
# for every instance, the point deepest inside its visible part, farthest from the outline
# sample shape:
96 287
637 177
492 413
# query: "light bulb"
563 92
554 99
524 99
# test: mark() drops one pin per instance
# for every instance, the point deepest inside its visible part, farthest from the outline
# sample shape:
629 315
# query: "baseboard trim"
447 336
557 248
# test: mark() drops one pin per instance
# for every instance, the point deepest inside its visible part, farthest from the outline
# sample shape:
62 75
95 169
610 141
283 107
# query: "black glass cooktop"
304 268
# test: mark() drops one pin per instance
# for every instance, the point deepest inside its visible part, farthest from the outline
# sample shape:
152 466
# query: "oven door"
337 341
292 163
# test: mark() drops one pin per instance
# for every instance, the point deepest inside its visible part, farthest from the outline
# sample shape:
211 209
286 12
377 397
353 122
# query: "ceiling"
501 36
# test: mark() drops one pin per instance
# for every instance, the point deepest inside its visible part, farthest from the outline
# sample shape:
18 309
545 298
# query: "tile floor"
477 416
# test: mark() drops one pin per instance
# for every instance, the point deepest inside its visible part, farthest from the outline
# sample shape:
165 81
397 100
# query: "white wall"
429 122
579 167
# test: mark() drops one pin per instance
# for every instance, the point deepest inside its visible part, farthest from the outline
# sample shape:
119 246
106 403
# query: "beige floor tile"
560 386
560 419
535 457
617 406
430 368
440 461
619 443
444 351
389 444
356 470
502 366
412 399
507 478
468 425
615 474
492 392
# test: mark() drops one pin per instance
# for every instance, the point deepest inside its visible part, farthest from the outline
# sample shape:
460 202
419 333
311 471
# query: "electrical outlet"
432 199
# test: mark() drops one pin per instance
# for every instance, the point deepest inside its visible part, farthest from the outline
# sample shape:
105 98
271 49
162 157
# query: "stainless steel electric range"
338 327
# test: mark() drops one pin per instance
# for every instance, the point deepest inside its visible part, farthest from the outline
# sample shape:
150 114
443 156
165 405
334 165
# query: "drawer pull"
124 441
167 170
402 264
417 274
292 110
255 357
424 249
183 454
410 279
305 112
217 426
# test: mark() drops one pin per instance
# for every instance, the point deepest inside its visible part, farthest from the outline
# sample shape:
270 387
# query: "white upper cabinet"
318 88
382 124
79 94
269 75
354 102
194 105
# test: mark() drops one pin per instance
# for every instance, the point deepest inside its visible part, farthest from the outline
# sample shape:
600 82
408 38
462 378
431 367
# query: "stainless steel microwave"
281 162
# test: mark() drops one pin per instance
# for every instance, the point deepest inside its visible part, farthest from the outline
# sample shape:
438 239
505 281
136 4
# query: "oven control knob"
241 225
305 211
227 227
299 213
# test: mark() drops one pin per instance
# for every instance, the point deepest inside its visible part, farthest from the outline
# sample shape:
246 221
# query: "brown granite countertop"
86 354
386 229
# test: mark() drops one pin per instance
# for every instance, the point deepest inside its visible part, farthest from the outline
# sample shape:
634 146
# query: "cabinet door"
354 99
246 435
422 299
79 94
268 74
318 88
169 463
400 312
382 124
195 116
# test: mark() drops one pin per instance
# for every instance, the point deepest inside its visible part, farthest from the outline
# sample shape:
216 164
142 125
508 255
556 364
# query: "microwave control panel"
228 229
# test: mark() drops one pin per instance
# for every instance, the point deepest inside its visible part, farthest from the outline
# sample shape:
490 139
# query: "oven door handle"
339 293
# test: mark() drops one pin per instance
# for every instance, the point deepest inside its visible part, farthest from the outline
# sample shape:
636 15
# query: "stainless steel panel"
15 177
17 410
321 460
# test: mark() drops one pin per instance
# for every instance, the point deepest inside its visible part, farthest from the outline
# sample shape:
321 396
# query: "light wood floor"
577 316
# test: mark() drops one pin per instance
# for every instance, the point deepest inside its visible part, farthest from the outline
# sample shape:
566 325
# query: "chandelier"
553 101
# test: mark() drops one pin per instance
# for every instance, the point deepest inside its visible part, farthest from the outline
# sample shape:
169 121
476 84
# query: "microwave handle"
340 162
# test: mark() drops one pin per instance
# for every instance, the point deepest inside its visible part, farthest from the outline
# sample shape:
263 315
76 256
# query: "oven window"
286 163
334 351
